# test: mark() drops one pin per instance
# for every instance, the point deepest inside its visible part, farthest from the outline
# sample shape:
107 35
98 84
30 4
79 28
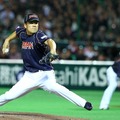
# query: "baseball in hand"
6 50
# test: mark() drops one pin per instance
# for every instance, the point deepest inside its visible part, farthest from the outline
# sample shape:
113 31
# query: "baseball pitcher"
38 51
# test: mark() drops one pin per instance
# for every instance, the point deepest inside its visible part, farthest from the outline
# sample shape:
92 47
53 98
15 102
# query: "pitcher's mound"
33 116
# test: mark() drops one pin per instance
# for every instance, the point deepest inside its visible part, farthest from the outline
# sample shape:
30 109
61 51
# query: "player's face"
31 27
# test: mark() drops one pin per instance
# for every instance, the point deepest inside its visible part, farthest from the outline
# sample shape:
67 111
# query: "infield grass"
39 101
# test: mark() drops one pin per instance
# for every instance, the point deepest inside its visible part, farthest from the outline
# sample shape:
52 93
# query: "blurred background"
82 29
86 30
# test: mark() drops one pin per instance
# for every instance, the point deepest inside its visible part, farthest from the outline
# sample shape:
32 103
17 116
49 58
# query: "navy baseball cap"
31 17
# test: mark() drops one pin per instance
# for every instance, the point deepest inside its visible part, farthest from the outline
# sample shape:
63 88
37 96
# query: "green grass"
39 101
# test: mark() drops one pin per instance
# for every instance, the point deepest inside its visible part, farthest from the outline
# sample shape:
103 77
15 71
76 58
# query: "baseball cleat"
88 106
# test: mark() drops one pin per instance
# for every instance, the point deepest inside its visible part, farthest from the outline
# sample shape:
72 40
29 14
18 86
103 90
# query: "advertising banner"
73 74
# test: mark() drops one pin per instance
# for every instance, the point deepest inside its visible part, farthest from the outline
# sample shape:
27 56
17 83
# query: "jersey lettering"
27 45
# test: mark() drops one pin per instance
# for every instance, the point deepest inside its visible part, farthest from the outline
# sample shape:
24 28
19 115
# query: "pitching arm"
5 47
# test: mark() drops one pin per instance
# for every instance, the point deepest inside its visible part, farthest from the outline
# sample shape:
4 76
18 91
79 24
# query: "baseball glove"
49 58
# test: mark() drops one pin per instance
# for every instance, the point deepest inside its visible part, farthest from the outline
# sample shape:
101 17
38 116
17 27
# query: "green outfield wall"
73 74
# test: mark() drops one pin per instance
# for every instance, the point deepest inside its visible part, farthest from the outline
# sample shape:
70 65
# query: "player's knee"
49 87
113 86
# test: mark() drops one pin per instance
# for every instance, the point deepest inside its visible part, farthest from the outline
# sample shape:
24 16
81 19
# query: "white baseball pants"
41 79
112 84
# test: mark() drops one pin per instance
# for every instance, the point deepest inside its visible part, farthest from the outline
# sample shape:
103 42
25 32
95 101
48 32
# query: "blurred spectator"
46 10
102 57
67 55
80 54
73 46
100 35
14 52
90 52
1 5
6 17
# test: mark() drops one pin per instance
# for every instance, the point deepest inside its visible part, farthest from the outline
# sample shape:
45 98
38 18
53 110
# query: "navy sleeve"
41 36
19 30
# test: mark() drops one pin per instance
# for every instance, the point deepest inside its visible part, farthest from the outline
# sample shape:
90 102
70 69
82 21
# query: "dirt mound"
33 116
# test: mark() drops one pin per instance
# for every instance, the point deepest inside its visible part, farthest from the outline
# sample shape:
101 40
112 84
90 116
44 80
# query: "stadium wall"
72 74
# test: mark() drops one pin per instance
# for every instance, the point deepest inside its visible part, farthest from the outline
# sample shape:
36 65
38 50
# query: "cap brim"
33 19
